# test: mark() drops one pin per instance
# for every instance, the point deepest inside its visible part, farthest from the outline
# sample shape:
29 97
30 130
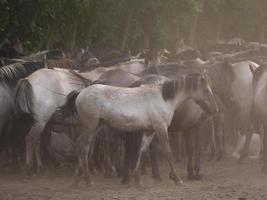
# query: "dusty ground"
223 180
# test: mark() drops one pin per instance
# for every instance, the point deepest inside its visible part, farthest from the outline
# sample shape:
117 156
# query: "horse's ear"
205 71
252 69
44 61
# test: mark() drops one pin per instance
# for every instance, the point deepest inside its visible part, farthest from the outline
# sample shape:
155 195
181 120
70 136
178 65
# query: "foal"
147 108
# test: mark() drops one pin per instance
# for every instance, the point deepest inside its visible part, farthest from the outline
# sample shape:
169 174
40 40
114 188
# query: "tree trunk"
176 38
219 27
126 26
193 31
262 33
146 40
74 35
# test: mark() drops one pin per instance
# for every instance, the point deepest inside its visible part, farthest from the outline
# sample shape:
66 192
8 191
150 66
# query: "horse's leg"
218 126
189 149
107 144
264 168
164 139
12 140
198 142
37 153
211 138
128 146
78 172
37 147
154 159
245 151
33 139
262 129
85 160
146 141
144 164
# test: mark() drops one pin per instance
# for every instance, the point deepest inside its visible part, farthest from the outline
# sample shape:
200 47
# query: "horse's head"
200 91
193 86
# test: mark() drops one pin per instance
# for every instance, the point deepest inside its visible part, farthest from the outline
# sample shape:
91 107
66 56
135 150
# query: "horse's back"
125 108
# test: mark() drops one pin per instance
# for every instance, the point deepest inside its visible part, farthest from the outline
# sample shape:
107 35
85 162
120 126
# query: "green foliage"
158 23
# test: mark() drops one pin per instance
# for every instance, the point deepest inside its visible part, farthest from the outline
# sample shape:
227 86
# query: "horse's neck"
175 103
180 97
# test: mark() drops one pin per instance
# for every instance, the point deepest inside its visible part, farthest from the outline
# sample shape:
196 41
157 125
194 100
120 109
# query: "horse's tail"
69 108
24 98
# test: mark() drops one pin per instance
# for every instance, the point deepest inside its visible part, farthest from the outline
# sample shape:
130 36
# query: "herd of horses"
114 110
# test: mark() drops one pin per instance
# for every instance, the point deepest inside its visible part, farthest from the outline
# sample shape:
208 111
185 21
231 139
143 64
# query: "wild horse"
147 108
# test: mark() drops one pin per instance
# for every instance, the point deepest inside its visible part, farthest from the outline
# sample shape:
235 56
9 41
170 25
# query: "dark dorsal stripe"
188 82
10 74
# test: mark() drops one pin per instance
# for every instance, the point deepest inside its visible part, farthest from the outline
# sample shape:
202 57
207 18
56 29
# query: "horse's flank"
127 104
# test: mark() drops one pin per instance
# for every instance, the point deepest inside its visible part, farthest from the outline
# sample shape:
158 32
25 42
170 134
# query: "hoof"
125 181
157 178
176 179
139 185
198 177
89 183
190 177
137 180
136 176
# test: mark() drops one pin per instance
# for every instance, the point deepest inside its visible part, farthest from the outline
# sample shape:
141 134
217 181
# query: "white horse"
259 108
9 76
243 100
147 108
39 95
134 66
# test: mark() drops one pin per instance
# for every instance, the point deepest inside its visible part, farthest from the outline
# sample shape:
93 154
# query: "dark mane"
188 82
10 74
86 82
171 70
168 90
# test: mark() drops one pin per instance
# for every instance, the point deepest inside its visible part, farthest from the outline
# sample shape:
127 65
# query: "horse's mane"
168 69
186 82
77 76
10 74
61 63
259 72
150 79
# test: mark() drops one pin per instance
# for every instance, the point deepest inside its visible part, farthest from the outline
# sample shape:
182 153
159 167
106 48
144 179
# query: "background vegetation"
131 23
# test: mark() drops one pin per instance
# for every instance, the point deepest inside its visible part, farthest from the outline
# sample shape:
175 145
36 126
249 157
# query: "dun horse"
39 95
148 108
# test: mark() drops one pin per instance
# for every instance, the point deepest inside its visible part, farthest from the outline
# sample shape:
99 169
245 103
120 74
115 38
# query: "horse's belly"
128 121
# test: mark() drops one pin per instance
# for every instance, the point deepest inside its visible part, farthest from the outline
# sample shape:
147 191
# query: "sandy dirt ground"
223 180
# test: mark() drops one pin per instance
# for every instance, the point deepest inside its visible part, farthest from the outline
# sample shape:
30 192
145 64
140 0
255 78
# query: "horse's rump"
23 98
